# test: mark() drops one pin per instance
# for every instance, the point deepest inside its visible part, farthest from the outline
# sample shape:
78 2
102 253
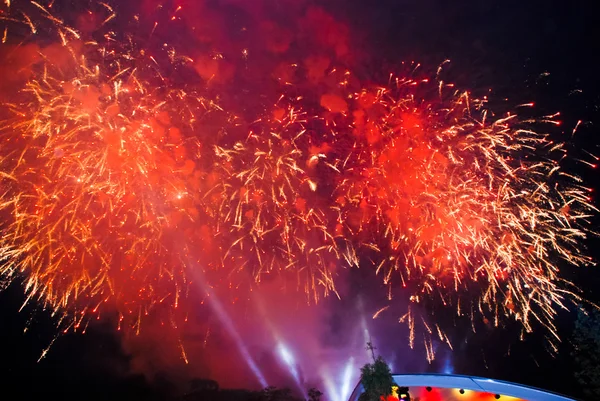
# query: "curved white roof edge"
480 384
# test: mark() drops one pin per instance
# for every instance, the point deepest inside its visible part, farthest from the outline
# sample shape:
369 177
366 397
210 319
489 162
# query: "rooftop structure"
441 387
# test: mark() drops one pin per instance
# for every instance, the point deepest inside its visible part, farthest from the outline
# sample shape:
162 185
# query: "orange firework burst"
110 184
278 221
98 180
466 208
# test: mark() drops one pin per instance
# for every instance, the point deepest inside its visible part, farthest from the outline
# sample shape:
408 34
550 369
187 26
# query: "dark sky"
506 45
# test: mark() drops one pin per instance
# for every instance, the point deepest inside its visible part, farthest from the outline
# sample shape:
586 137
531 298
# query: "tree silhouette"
314 395
376 378
285 394
277 394
586 352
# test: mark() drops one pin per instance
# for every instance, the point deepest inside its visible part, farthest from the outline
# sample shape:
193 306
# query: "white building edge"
457 387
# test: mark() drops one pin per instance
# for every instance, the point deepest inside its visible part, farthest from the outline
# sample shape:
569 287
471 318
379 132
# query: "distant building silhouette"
208 390
204 385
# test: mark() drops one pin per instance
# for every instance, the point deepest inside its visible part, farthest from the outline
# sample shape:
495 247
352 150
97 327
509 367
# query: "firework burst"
273 207
98 176
466 209
113 188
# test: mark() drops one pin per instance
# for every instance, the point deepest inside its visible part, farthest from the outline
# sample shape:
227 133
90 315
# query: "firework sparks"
97 176
105 170
272 206
464 206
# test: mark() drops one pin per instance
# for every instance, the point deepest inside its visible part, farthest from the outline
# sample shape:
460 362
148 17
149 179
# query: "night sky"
523 50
